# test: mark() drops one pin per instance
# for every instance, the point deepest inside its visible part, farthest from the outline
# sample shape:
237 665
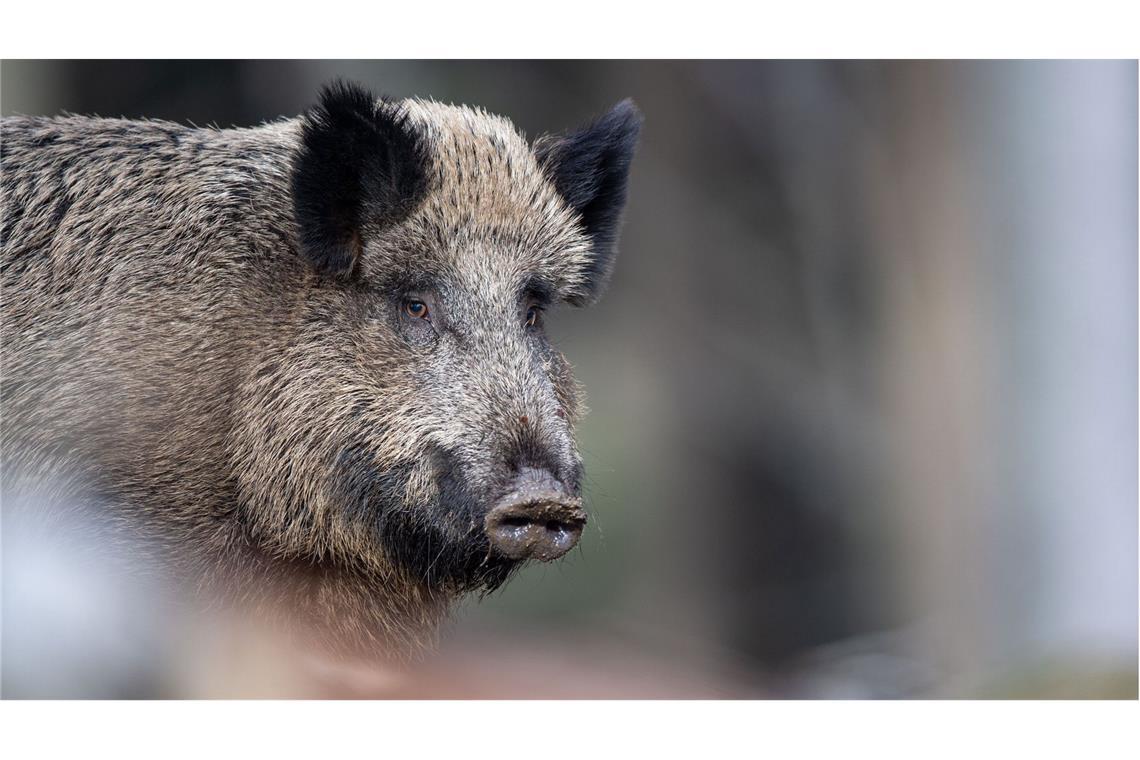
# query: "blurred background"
863 388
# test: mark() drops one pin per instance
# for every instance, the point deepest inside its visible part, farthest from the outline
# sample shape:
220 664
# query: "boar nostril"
539 519
519 536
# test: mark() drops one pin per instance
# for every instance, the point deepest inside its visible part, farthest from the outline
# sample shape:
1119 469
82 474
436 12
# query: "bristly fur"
590 168
205 327
360 165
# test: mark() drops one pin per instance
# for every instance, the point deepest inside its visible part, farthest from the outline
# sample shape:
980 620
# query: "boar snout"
538 518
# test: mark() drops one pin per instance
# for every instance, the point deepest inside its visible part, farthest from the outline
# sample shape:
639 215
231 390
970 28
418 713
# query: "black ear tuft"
590 169
361 166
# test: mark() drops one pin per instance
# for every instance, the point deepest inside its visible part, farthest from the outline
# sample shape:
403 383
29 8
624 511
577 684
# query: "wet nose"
538 518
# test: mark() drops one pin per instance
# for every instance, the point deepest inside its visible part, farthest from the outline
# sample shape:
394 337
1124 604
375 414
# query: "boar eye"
532 315
416 309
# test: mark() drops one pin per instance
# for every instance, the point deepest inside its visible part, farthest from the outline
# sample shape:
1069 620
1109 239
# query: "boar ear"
590 169
361 166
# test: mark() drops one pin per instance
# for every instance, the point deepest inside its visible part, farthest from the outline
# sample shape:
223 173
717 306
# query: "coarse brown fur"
262 413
